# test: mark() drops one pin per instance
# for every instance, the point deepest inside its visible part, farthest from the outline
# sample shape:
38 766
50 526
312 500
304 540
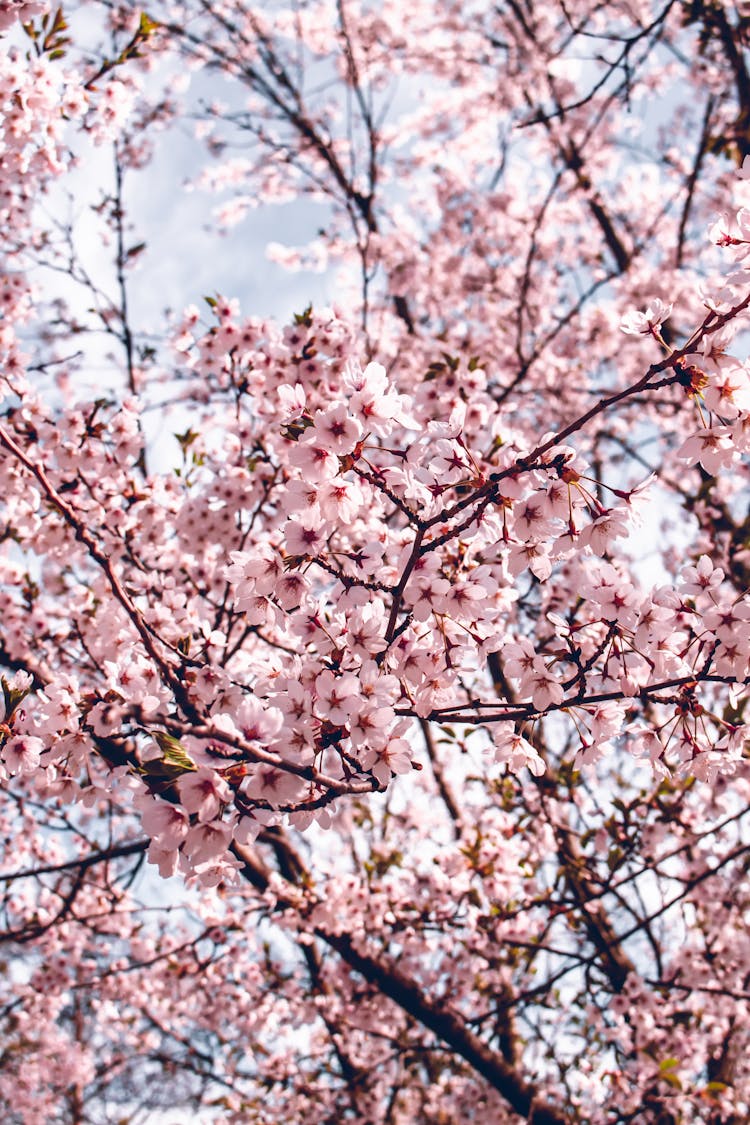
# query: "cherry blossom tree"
373 749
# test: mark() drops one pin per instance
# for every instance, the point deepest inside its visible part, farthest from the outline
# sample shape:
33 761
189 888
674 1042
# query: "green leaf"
293 431
12 696
174 762
293 562
186 440
146 25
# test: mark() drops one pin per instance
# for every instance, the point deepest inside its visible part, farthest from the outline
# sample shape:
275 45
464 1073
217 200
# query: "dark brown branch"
444 789
437 1017
136 848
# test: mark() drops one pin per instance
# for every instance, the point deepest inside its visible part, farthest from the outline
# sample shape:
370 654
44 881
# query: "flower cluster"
459 575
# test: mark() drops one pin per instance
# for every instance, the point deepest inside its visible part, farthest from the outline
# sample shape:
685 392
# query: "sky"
186 257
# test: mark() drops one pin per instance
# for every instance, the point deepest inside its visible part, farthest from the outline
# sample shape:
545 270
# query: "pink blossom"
516 752
303 537
336 429
165 823
315 461
644 323
519 658
260 572
22 754
206 842
203 793
340 500
393 758
292 400
338 696
704 578
384 536
711 446
268 783
544 689
369 727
